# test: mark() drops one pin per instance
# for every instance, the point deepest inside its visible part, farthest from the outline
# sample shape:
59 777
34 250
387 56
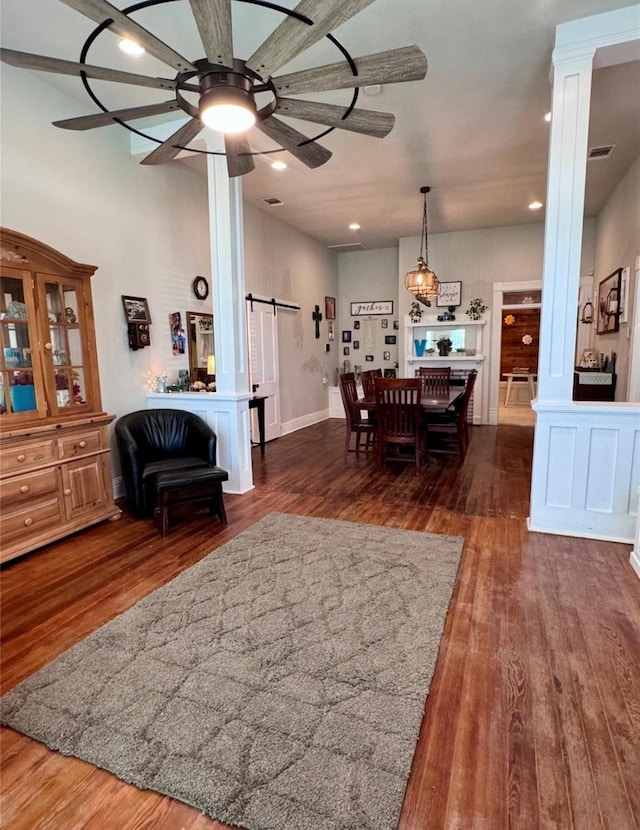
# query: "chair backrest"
368 385
166 433
461 406
398 408
349 395
436 377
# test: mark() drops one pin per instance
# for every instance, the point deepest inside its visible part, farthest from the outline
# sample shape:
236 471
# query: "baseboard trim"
635 561
579 534
118 487
305 421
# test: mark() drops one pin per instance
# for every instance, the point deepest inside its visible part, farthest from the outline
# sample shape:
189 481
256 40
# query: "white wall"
367 275
145 228
617 246
285 263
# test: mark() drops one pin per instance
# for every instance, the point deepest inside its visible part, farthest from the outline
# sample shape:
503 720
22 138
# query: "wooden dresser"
55 473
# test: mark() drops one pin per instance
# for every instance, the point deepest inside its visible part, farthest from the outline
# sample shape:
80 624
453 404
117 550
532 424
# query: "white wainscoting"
228 417
590 462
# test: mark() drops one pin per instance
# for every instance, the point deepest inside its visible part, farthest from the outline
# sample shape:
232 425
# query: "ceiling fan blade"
45 64
104 119
311 154
213 18
239 158
293 36
168 150
101 10
377 124
393 67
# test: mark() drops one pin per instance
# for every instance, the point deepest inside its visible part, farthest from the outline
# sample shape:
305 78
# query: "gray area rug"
279 684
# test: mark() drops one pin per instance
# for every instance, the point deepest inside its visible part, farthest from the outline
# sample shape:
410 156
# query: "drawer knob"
28 522
24 488
82 444
21 457
67 492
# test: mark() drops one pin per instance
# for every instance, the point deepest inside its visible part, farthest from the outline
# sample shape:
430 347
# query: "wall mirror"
201 349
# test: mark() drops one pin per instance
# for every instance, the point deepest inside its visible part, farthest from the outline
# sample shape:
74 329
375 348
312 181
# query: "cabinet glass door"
20 377
61 299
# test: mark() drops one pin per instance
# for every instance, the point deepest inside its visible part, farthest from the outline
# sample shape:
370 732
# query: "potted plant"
476 309
415 312
444 346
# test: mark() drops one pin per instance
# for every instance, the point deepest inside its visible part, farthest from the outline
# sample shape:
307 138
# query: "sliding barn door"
262 328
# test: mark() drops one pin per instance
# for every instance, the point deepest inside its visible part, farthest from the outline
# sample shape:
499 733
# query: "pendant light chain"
421 281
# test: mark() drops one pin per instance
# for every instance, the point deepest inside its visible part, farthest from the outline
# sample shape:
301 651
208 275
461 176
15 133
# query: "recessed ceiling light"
278 165
547 117
354 226
130 47
535 205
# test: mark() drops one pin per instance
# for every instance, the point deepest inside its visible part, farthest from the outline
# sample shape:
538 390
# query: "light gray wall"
367 275
617 246
147 229
282 262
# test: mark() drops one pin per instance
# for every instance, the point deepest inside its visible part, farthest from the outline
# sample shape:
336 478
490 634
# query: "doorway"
515 329
262 331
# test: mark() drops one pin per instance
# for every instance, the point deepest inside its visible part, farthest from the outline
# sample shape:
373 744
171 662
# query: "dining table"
432 400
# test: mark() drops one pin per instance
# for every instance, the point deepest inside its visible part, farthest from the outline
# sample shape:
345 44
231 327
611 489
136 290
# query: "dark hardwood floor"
533 718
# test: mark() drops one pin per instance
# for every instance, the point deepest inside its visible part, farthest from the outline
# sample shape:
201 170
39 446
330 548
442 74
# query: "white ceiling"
473 129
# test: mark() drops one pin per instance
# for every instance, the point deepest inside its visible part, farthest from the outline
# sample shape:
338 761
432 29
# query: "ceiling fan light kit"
227 86
421 281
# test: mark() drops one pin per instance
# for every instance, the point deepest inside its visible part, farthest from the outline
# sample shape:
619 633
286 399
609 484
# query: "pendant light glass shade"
421 281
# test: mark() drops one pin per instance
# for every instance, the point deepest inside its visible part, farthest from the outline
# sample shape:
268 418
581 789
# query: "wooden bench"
175 487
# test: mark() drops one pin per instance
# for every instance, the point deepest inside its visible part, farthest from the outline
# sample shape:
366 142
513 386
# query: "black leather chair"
152 442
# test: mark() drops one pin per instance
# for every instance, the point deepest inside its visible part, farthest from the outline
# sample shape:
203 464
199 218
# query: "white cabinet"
467 353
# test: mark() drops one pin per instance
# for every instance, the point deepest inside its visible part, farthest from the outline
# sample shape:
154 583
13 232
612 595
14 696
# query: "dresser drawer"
26 456
25 489
28 521
82 444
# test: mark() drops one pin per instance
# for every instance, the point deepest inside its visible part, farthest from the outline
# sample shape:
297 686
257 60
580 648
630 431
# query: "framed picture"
449 293
136 309
356 344
396 325
609 303
390 373
356 324
384 323
389 340
369 358
331 333
386 355
345 351
346 337
367 307
330 308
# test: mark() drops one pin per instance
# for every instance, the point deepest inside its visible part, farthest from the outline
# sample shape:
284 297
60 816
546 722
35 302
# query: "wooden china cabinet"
55 475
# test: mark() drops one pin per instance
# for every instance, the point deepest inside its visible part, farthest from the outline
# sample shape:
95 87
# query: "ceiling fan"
227 87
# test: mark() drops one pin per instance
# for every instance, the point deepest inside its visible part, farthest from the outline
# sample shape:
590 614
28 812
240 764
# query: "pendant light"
421 281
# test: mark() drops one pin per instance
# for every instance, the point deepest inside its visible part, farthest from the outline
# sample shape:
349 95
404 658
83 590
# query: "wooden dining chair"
355 424
435 377
453 423
368 385
400 422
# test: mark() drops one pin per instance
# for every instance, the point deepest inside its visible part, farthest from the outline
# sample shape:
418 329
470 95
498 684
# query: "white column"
230 335
564 224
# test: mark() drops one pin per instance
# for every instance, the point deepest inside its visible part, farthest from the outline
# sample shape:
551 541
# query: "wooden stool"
530 377
173 487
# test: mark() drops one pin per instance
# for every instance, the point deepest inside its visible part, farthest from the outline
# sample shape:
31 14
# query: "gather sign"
367 307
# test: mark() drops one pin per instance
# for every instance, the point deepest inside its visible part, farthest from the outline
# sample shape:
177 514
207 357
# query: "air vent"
273 201
604 152
346 246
